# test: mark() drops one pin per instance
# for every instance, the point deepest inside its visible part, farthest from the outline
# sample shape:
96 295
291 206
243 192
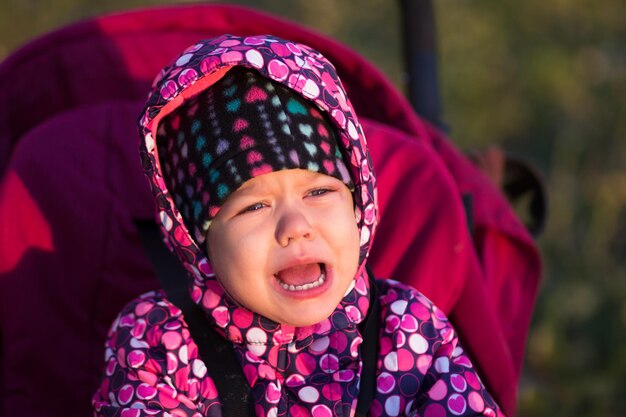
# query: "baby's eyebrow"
261 187
247 189
247 193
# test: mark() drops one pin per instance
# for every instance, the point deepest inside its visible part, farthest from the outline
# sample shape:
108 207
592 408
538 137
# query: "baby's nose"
293 225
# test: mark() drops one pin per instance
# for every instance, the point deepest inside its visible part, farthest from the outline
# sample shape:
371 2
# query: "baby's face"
286 245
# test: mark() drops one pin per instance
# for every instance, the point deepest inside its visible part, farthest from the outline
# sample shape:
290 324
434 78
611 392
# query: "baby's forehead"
295 177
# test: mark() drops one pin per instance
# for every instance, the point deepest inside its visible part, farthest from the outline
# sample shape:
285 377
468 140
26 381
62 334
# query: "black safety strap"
369 351
220 359
217 353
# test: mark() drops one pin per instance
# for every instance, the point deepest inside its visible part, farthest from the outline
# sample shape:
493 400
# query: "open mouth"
302 277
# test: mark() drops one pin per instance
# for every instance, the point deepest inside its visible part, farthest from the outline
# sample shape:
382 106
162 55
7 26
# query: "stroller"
72 187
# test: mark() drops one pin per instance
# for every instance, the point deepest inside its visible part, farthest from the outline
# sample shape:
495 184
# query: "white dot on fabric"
391 361
442 365
138 344
458 351
399 307
299 61
166 221
418 343
352 130
183 60
365 236
256 335
392 405
199 368
255 58
149 142
308 395
257 350
183 354
310 89
256 338
172 363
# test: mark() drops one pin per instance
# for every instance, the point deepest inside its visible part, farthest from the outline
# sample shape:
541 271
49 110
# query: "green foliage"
545 80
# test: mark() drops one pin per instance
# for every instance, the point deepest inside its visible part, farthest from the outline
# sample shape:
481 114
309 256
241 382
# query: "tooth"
303 287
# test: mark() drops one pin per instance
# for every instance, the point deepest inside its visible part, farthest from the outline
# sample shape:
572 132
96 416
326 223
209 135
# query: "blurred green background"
545 80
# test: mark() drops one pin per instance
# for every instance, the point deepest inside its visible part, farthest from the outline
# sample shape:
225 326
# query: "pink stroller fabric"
72 185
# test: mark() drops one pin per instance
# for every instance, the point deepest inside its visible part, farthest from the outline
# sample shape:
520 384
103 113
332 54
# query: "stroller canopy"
72 186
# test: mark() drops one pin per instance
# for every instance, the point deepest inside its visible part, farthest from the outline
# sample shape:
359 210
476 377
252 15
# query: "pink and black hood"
309 74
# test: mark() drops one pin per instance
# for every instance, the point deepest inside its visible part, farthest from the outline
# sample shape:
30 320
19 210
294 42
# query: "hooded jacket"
152 363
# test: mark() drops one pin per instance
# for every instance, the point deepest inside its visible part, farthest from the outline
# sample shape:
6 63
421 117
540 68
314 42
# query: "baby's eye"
252 207
319 191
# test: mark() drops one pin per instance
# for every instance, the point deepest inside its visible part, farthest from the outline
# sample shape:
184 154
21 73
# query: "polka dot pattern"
320 378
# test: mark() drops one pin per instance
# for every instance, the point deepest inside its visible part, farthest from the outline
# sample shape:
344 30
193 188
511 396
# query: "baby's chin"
306 318
315 312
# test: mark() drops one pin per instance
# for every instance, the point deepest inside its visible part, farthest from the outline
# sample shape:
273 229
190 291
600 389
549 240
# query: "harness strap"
369 351
215 351
219 357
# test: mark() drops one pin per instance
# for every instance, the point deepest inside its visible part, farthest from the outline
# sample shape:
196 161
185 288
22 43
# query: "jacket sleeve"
151 365
421 353
451 386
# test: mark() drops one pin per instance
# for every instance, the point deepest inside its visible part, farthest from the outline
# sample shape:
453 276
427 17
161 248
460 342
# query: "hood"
308 73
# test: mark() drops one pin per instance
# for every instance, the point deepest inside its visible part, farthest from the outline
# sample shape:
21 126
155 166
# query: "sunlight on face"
286 245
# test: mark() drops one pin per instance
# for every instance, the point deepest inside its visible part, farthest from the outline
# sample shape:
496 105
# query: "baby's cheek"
354 240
